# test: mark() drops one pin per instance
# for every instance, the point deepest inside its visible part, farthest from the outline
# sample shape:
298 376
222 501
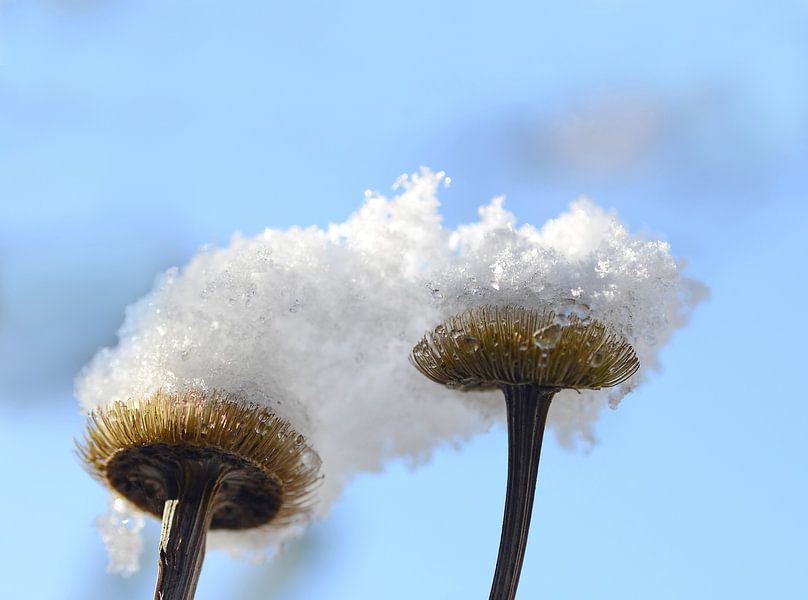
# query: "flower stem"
527 407
187 516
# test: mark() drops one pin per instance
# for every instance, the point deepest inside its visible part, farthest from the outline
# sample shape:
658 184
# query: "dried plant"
529 355
199 461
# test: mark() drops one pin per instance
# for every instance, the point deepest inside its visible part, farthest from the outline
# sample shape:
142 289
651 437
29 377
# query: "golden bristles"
492 346
214 422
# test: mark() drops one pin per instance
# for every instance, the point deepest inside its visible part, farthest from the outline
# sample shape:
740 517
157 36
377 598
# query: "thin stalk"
527 407
186 519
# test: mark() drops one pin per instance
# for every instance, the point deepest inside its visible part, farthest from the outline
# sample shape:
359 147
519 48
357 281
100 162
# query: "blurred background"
132 133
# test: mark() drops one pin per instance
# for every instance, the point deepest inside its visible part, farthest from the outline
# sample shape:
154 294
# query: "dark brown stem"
527 406
186 518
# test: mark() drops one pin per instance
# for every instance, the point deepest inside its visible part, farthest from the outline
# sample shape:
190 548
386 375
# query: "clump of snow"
584 262
317 324
120 528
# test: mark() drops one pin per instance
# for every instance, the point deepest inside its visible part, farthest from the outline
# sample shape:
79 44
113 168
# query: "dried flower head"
138 449
529 355
492 346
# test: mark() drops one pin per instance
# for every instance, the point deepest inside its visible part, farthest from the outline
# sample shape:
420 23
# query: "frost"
317 324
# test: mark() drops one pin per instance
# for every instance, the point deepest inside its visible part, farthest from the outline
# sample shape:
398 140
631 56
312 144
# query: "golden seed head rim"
218 420
495 346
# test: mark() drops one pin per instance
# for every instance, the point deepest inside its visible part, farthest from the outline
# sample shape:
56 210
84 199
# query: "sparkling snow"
318 323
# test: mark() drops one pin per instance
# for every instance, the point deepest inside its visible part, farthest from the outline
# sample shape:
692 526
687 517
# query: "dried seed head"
138 449
492 346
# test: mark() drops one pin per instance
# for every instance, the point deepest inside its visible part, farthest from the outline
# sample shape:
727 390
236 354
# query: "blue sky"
133 133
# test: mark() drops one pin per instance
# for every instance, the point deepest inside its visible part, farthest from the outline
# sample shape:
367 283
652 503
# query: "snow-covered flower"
199 461
316 325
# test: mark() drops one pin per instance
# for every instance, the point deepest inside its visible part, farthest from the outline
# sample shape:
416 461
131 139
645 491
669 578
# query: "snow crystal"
317 324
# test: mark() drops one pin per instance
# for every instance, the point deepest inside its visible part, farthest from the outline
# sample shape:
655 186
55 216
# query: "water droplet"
295 306
562 319
299 439
547 337
310 459
457 333
523 347
440 330
597 359
185 354
469 343
578 310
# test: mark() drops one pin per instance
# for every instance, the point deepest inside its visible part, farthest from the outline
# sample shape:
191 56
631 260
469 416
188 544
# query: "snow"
120 529
317 324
